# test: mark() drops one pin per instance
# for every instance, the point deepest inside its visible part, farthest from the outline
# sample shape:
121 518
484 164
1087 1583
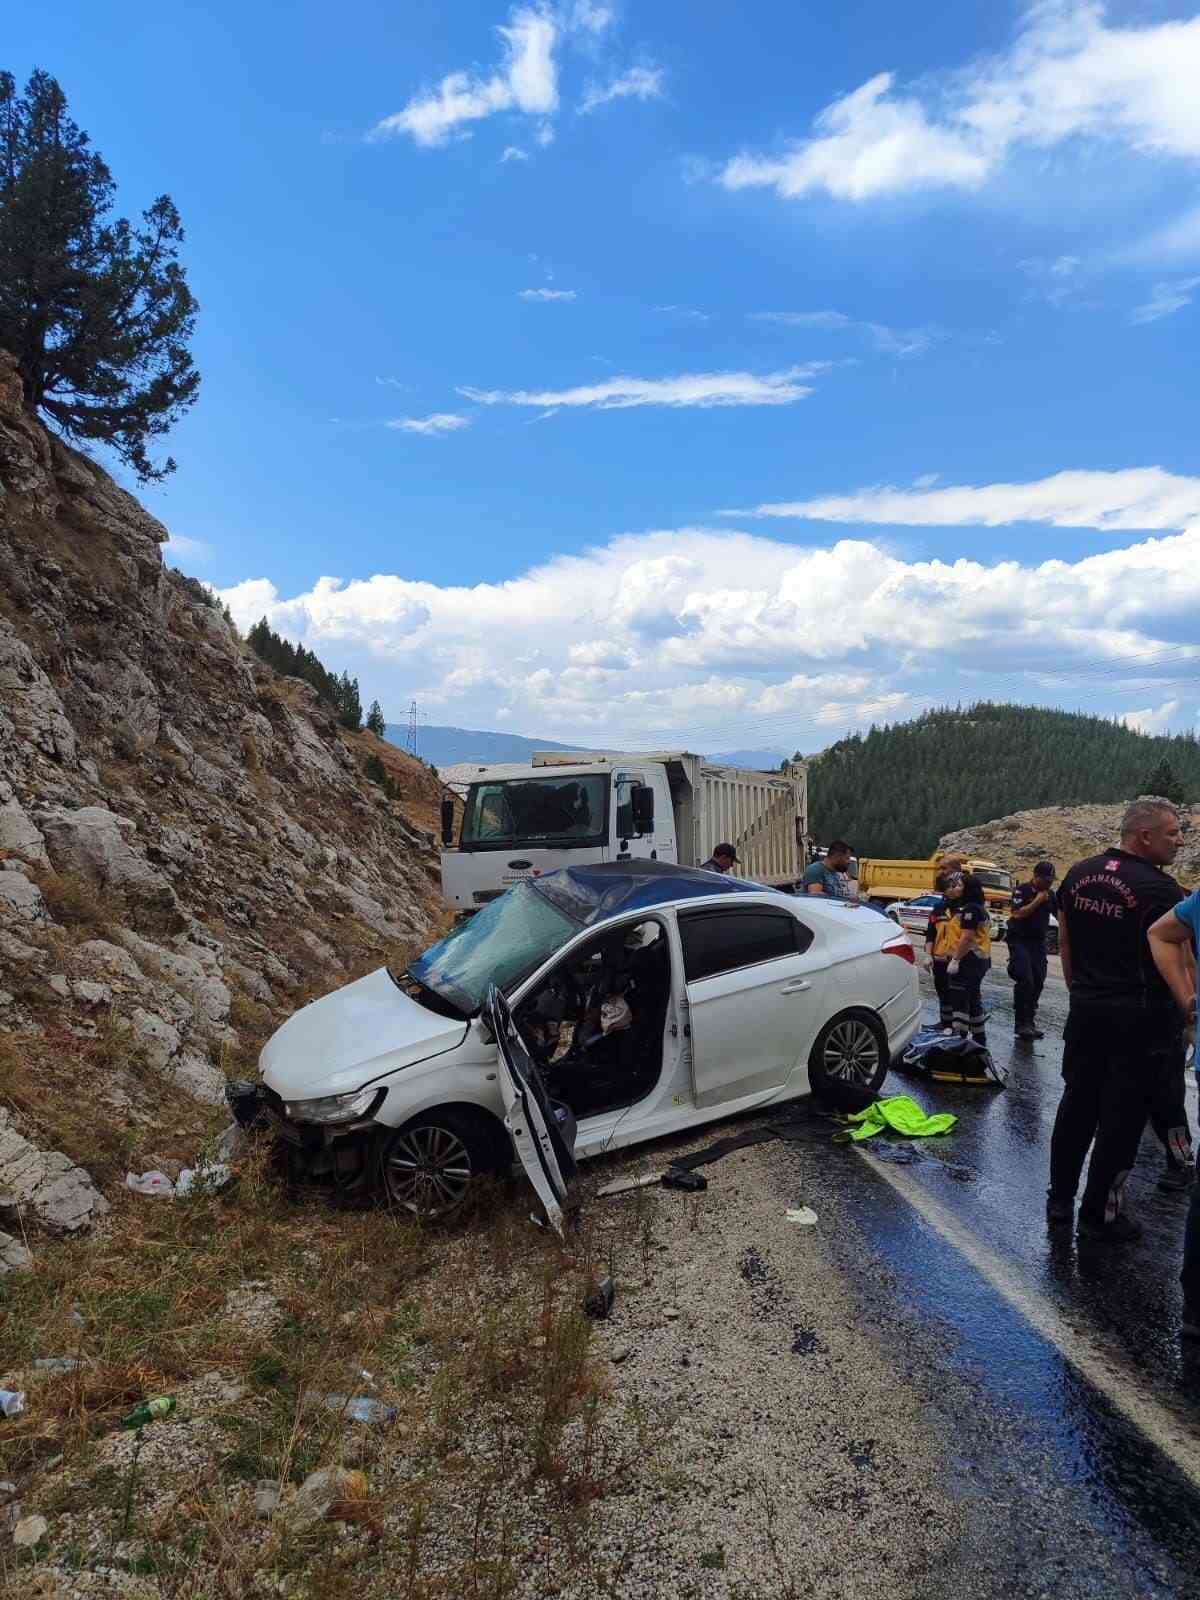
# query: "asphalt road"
1070 1407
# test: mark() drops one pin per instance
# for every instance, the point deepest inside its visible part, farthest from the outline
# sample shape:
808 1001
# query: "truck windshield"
501 944
990 878
511 812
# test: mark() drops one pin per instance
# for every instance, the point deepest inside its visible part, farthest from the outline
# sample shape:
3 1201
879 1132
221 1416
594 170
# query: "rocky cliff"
1064 835
188 847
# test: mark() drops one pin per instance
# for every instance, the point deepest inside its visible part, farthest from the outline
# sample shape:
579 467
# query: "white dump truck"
568 808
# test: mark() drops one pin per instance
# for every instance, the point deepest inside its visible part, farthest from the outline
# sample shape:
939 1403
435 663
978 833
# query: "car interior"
595 1026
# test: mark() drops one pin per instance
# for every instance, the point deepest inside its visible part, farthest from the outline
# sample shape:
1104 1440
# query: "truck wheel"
850 1052
429 1166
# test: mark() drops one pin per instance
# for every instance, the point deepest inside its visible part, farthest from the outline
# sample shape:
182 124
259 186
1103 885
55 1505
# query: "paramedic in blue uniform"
1032 906
1123 1039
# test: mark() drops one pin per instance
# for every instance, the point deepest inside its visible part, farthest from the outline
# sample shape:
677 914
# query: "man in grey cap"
1032 905
721 860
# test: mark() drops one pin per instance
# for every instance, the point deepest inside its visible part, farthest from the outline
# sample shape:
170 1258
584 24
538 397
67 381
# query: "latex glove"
952 968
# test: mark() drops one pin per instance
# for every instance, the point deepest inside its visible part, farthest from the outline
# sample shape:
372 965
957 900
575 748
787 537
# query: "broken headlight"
335 1107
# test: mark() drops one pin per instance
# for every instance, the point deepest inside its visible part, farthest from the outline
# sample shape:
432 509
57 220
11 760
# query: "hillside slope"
895 790
1064 835
187 846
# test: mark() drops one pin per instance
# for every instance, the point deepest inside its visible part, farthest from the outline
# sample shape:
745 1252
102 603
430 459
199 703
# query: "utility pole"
410 744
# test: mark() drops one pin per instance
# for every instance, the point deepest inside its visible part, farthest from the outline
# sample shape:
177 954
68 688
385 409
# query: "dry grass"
56 1082
74 902
493 1474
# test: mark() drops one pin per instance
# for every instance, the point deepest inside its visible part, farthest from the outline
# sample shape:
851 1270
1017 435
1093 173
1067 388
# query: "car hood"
352 1036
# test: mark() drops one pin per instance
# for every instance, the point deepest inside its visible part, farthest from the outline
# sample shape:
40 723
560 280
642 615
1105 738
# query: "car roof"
607 889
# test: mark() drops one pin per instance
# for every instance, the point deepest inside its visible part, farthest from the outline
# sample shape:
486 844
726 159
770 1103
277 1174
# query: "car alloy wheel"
850 1053
428 1169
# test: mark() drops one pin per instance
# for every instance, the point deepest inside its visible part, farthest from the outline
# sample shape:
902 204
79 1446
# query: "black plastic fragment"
681 1178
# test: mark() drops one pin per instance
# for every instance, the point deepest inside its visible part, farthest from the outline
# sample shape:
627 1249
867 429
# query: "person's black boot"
1122 1230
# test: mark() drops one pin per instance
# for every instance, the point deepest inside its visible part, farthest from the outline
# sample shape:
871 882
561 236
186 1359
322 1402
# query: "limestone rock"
94 842
17 832
61 1195
21 901
31 701
13 1255
102 953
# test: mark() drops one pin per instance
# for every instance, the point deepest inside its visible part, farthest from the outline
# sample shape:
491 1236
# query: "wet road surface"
1072 1411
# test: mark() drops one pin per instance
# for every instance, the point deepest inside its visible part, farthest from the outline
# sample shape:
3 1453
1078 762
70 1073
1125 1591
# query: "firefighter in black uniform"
1032 905
1122 1038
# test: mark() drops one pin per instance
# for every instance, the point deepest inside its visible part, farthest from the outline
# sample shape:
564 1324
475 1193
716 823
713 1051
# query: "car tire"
430 1166
851 1051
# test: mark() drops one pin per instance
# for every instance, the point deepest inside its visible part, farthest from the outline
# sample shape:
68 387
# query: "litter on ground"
805 1216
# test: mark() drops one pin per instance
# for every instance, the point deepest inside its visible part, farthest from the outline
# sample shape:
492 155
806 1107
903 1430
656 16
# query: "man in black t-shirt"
1123 1030
1032 904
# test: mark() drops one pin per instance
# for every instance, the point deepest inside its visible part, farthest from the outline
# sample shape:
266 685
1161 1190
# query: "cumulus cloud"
1135 498
513 152
701 632
440 422
702 389
1067 76
888 341
1151 719
182 547
639 83
1165 300
526 81
546 294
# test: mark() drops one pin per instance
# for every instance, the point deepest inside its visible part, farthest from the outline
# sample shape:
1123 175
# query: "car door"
529 1116
755 982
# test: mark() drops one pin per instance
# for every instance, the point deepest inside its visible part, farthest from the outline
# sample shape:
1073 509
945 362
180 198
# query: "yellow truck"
885 881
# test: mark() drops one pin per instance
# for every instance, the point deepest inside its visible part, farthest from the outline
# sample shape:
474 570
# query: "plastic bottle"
149 1411
12 1402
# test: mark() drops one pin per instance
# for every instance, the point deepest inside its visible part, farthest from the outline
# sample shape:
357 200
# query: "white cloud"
513 152
926 480
1178 240
684 313
1151 719
889 341
440 422
703 389
526 81
1134 498
639 83
676 632
590 17
390 383
1165 300
546 294
181 546
1057 280
1067 76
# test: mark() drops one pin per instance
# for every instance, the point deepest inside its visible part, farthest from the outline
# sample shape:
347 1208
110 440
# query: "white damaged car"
593 1008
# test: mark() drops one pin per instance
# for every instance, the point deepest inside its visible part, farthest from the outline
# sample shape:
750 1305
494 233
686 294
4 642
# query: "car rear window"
721 941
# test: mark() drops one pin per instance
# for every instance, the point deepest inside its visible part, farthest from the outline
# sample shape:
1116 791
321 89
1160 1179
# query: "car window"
721 941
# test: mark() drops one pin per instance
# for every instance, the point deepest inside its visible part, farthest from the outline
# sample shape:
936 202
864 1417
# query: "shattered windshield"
536 811
501 944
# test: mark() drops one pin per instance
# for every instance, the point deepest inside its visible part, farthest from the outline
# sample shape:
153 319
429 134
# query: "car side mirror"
447 822
643 808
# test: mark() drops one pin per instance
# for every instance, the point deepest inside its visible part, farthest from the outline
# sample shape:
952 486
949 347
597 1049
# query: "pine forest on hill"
895 790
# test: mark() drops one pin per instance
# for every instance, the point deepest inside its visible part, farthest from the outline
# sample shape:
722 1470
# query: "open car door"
529 1115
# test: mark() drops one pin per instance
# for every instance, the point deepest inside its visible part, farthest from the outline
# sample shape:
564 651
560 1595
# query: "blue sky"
555 356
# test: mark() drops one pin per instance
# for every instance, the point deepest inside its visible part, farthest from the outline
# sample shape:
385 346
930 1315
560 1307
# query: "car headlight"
334 1107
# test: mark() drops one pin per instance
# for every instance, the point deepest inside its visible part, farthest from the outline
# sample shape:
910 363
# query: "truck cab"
521 821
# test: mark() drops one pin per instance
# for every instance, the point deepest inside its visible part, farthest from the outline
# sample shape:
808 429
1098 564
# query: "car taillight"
901 948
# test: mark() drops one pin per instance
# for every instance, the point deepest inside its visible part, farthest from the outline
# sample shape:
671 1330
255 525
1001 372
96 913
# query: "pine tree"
375 769
1164 782
348 703
375 720
97 312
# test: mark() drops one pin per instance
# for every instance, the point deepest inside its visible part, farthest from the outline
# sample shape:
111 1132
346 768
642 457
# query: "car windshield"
551 810
992 879
501 944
